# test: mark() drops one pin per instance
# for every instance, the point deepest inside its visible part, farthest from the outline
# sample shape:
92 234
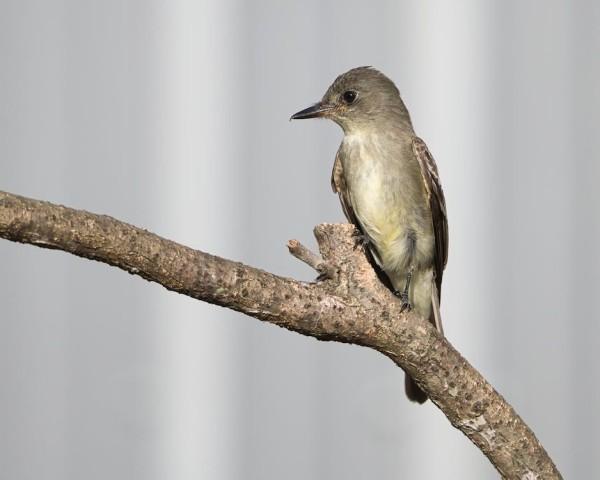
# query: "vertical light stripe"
534 170
200 202
446 70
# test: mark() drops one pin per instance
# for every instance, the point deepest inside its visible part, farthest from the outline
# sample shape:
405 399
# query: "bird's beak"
317 110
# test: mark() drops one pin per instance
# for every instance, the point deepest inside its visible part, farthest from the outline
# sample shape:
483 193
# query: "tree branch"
348 305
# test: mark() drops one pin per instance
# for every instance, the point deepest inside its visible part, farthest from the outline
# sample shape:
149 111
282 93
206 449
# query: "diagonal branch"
348 305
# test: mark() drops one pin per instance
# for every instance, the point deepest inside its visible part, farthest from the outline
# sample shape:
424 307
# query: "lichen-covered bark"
348 305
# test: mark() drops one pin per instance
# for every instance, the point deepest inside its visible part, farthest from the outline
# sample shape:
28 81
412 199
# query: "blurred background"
173 116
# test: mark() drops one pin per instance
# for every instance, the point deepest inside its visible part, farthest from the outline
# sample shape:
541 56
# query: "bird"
389 188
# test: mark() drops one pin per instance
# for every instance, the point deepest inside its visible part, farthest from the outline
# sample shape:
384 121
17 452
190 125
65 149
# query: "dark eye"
349 96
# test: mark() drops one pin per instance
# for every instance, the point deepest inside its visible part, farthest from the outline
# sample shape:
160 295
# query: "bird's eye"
349 96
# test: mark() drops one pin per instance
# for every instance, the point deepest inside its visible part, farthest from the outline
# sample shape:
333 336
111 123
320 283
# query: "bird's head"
358 99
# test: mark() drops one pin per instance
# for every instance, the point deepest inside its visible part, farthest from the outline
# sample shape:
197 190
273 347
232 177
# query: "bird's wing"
338 184
437 204
337 175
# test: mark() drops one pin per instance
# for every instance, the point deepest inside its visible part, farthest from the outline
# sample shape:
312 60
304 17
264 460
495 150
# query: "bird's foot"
322 277
406 305
360 239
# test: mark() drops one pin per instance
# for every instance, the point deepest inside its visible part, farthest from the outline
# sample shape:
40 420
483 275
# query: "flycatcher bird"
389 188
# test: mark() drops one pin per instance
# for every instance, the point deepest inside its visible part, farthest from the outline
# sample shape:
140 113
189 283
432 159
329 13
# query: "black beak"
317 110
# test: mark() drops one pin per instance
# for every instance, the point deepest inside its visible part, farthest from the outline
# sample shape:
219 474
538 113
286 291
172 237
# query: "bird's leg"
360 239
404 294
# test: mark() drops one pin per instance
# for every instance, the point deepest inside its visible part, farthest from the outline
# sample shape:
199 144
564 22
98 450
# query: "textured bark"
347 304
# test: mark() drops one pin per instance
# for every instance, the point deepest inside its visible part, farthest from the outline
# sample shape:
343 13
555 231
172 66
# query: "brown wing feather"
437 204
338 184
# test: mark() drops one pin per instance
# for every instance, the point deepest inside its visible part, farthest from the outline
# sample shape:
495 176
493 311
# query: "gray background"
173 116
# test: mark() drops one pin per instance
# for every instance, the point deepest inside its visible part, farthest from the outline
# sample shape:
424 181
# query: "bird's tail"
413 391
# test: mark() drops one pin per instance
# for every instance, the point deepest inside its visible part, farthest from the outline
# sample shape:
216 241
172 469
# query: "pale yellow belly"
388 218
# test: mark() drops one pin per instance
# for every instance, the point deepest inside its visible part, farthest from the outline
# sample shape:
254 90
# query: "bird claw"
360 239
406 305
322 277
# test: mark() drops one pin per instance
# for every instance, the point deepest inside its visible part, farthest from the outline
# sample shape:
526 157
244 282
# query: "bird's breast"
388 201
